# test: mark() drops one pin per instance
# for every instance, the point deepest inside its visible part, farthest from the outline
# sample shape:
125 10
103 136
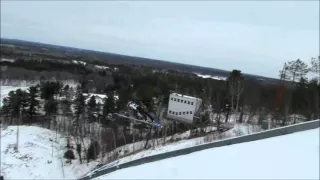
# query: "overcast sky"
255 37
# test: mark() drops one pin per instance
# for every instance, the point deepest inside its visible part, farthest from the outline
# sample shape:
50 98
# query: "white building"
182 107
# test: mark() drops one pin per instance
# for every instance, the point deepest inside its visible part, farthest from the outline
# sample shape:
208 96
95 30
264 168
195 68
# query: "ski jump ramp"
111 167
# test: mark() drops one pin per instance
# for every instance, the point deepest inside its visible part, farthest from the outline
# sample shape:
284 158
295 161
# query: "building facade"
182 107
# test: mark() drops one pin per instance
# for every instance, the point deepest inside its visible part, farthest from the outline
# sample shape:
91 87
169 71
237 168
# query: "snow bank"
294 156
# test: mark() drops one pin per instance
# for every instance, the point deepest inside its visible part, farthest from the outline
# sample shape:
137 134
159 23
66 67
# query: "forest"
68 109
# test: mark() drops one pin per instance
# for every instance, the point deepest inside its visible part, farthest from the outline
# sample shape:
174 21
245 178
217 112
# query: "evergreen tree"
92 103
14 104
6 109
92 108
109 104
22 97
66 91
50 107
79 103
33 102
47 90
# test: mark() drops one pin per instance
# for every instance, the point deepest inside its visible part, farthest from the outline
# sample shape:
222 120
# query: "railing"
240 139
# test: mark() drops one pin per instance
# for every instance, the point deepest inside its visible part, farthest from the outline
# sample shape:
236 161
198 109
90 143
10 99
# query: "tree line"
235 96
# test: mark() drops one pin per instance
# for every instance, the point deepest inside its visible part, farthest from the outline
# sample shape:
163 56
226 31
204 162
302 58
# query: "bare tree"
218 106
294 72
315 68
235 84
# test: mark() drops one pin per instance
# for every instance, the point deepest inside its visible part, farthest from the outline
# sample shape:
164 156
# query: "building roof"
181 95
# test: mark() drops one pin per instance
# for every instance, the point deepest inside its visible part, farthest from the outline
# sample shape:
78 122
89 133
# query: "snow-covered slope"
293 156
36 161
36 158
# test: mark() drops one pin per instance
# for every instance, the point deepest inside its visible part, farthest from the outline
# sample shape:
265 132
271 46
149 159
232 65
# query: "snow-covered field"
212 77
79 62
293 156
36 158
101 67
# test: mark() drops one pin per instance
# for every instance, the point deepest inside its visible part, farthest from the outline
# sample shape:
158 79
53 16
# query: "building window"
175 99
184 113
187 112
179 113
171 99
169 112
190 112
176 113
185 101
191 103
178 100
188 102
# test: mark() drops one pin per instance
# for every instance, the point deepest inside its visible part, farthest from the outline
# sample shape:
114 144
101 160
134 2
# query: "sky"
256 37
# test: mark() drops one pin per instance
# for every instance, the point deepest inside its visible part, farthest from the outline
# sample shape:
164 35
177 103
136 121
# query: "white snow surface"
79 62
34 159
102 67
293 156
212 77
99 97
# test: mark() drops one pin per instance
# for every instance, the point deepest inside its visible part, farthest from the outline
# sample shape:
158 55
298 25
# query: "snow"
293 156
6 89
79 62
99 97
35 159
7 60
212 77
181 95
102 67
179 141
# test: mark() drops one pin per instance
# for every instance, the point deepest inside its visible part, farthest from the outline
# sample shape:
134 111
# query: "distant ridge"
114 58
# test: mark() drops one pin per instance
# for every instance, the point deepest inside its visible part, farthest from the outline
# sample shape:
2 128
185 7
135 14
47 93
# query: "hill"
111 58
